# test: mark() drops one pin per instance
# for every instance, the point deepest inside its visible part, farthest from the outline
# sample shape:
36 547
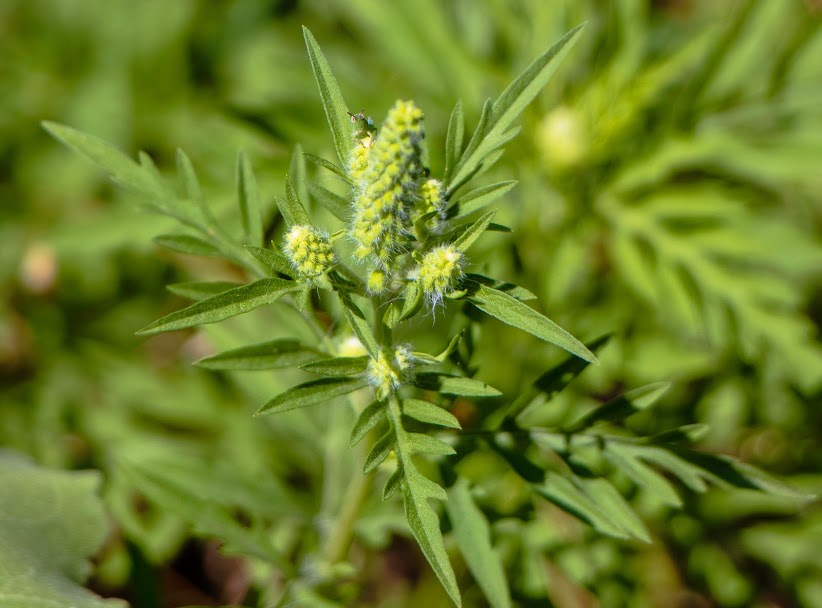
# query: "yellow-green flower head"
439 272
383 377
387 187
308 250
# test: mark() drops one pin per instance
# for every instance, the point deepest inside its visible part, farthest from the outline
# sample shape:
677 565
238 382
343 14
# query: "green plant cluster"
666 195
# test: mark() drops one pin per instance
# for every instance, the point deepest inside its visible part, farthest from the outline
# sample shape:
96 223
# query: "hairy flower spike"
386 176
309 250
439 272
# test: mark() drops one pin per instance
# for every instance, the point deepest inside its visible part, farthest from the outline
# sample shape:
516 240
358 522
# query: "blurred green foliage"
669 191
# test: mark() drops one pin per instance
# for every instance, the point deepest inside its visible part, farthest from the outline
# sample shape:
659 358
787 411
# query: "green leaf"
642 475
425 526
191 186
298 173
412 301
563 493
509 105
336 204
321 162
621 407
310 393
338 366
473 536
360 326
249 201
467 238
199 290
275 354
454 385
453 140
367 420
549 384
224 305
426 359
392 484
336 111
294 213
379 452
51 524
692 476
272 259
122 170
478 199
429 413
725 470
513 312
422 519
185 243
421 443
520 293
615 507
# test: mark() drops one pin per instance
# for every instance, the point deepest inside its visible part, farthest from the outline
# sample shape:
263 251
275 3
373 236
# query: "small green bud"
309 251
439 272
376 281
387 373
383 377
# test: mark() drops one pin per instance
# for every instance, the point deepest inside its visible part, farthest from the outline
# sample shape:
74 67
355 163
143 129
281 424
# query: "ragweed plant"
400 251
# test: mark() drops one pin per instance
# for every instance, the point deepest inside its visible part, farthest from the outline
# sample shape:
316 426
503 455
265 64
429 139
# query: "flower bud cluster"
308 250
386 173
388 372
439 272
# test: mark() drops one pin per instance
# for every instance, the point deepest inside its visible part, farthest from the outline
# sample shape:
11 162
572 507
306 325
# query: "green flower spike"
431 201
439 272
309 251
387 186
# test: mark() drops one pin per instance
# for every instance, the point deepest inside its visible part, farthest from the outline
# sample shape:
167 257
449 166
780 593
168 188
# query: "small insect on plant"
363 125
